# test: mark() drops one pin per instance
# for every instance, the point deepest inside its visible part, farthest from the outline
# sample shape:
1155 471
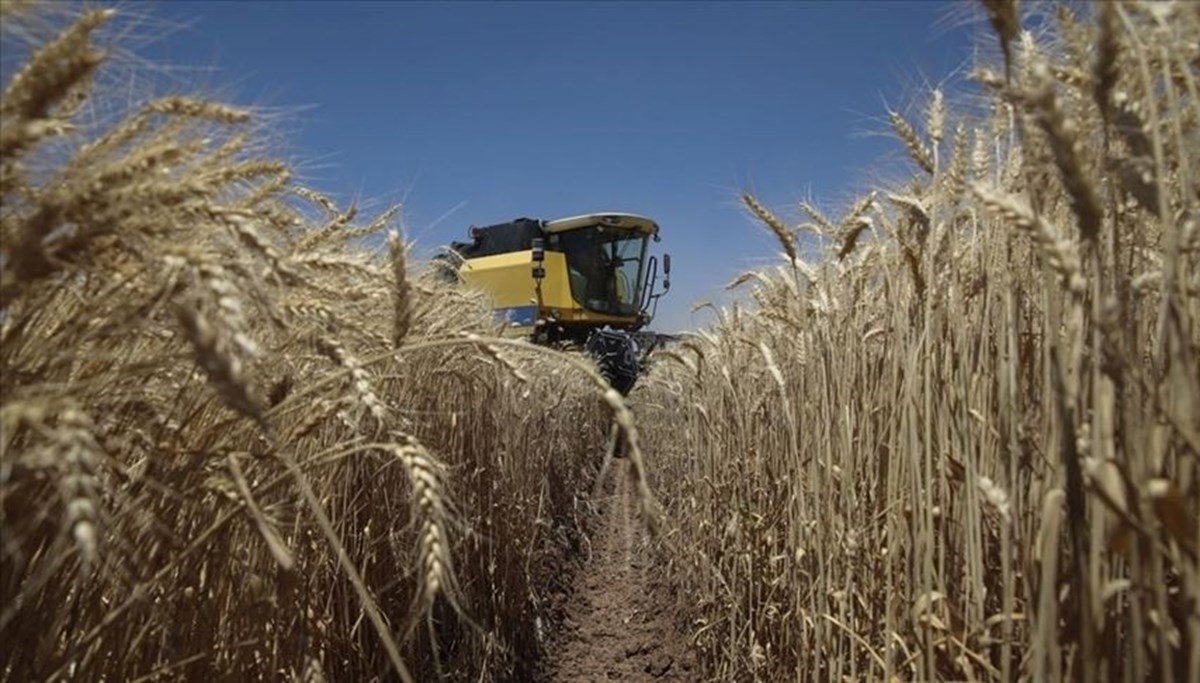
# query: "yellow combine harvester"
584 282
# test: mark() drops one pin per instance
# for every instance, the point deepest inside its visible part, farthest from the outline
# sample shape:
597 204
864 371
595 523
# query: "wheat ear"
425 473
402 296
785 236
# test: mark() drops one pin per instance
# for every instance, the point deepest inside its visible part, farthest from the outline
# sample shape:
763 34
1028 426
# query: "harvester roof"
627 221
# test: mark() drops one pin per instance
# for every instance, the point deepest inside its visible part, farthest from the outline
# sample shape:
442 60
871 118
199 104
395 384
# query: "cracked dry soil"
619 622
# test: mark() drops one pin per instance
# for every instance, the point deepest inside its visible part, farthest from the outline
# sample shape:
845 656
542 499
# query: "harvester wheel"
615 353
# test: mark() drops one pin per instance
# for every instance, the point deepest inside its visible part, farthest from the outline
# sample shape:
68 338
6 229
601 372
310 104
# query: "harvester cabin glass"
604 266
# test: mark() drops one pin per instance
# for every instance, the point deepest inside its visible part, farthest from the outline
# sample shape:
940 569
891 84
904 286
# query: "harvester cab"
585 282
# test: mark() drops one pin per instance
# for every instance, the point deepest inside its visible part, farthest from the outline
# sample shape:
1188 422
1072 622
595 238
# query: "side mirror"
538 256
666 264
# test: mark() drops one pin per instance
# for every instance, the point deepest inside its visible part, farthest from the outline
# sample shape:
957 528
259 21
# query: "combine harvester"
582 283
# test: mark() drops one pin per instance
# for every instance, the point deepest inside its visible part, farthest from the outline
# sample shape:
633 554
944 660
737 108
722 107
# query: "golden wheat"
220 413
952 458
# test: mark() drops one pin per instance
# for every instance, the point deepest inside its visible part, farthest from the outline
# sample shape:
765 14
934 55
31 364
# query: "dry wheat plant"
963 443
236 442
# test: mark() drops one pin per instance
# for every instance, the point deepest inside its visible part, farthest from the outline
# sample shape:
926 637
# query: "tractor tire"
616 356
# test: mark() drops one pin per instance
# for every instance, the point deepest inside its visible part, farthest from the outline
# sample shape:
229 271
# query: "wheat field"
959 439
952 435
235 438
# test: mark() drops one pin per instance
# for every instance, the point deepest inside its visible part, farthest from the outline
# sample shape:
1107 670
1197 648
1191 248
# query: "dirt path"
619 621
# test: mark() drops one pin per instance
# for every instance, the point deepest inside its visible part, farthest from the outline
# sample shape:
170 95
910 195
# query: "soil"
619 619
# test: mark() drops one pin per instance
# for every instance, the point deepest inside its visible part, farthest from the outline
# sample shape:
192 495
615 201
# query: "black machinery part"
616 353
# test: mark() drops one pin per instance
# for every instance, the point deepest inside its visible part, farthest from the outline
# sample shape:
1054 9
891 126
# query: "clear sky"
480 112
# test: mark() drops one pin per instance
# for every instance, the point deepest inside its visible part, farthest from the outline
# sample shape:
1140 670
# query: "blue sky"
476 113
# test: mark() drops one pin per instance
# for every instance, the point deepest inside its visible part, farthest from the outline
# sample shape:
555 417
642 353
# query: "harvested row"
962 441
235 441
